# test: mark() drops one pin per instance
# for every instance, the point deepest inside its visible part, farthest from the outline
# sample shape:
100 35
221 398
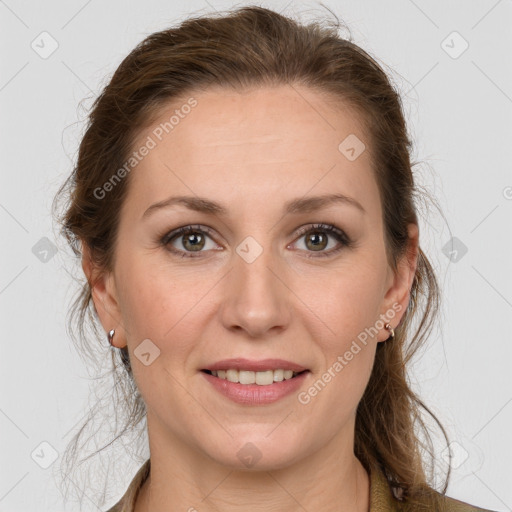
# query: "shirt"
381 496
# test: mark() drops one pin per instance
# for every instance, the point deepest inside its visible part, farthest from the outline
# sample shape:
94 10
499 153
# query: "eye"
193 239
317 239
190 238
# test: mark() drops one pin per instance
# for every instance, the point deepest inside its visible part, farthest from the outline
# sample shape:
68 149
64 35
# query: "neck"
330 479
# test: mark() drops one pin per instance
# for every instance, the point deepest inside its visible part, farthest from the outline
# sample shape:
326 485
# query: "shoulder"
127 501
121 506
444 503
383 498
125 504
454 505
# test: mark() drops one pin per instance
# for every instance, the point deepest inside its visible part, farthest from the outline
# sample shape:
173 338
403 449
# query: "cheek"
344 338
167 306
161 305
156 299
344 303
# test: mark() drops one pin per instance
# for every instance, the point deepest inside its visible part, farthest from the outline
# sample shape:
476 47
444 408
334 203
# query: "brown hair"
254 46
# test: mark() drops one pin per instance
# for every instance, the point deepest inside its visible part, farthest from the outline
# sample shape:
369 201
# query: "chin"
257 452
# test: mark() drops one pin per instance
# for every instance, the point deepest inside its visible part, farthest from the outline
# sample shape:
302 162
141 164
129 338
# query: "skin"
252 152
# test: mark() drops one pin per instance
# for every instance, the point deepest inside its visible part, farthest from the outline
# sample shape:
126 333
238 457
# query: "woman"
243 205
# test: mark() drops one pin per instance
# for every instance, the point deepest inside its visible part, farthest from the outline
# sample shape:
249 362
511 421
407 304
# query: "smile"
264 378
265 390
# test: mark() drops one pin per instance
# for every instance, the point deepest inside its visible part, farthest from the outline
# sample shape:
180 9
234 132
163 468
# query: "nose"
256 298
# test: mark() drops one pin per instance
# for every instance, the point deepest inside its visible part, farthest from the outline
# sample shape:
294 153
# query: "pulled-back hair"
245 48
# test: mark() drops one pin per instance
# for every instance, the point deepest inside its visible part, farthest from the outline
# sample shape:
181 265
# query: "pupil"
319 238
192 239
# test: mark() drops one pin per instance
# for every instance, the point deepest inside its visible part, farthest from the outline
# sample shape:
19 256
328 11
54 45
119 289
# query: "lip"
254 394
255 366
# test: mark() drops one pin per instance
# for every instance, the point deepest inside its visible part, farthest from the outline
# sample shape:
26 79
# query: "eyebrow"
295 206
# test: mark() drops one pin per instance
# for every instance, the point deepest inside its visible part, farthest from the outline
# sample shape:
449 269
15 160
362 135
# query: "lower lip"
254 394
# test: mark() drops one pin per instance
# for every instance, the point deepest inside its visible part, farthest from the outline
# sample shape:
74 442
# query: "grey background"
459 108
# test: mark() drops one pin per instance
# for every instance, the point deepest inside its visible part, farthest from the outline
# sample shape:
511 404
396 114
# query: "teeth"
261 378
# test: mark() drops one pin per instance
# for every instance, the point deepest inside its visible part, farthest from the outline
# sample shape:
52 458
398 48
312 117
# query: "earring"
391 331
111 337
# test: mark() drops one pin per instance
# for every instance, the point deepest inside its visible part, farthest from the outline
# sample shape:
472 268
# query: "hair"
246 48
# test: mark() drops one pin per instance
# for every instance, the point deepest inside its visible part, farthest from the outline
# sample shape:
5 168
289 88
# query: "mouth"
261 378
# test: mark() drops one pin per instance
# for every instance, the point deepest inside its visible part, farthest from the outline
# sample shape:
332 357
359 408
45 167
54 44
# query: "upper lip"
255 366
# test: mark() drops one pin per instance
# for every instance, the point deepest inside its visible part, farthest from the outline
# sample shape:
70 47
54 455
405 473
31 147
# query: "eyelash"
333 231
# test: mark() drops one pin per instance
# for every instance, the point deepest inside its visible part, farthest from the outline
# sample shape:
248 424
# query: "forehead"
266 117
263 141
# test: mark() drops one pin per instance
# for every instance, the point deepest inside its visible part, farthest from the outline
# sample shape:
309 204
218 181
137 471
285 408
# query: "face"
267 275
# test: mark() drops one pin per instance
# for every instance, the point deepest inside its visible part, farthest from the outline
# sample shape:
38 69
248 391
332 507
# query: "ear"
398 294
104 296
